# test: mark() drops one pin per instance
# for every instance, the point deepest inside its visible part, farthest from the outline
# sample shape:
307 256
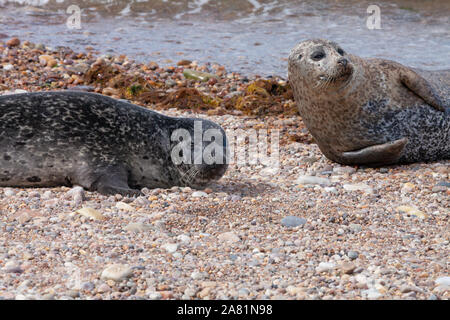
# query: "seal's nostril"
343 62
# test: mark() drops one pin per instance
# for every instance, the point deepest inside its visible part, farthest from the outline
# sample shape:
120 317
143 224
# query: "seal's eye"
318 55
340 51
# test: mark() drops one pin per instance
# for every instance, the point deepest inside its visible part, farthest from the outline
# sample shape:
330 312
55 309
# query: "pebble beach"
310 229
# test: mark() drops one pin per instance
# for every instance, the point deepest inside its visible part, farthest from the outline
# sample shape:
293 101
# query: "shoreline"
314 230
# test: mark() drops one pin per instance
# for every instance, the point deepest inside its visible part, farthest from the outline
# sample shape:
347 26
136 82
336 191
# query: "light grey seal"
370 111
78 138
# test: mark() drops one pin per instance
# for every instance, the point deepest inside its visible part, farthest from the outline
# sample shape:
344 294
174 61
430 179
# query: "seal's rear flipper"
114 180
377 155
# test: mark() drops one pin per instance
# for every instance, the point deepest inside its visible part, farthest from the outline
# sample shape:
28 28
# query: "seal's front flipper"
114 180
421 87
377 155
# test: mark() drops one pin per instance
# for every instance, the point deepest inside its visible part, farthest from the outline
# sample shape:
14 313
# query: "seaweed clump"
190 98
263 97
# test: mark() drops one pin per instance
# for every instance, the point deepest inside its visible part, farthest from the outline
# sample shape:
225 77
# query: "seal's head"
199 153
320 64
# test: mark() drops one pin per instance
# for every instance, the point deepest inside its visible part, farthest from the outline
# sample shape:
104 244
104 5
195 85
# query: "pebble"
202 294
137 227
184 238
361 279
353 255
74 192
355 228
343 170
13 42
90 213
184 62
443 283
170 247
358 187
48 296
170 83
235 198
47 195
409 288
439 189
198 75
443 184
269 171
331 189
8 67
348 267
199 194
325 267
408 187
229 237
293 290
190 292
83 88
87 286
198 275
20 91
9 192
372 293
313 180
292 221
117 272
155 296
72 293
124 206
25 216
47 60
103 288
243 292
411 211
13 266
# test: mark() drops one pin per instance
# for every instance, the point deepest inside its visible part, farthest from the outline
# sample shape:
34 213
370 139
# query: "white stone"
170 247
47 195
358 187
372 293
199 194
9 192
269 171
117 272
229 237
183 238
77 190
341 170
137 227
124 206
313 180
155 296
90 213
325 267
443 283
197 275
8 67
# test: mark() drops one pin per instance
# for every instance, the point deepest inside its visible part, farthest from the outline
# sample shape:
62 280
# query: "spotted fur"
370 111
78 138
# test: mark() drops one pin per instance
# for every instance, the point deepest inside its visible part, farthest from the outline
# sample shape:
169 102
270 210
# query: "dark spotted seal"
87 139
370 111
